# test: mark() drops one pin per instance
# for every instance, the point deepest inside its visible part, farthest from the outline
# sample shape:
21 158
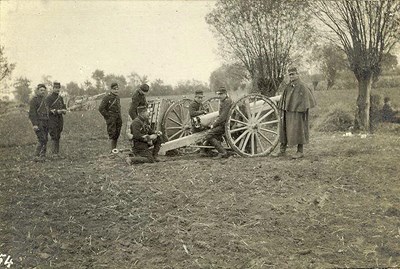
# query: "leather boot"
299 154
218 146
282 151
113 144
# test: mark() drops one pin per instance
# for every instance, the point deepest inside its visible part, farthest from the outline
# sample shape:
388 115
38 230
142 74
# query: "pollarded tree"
366 31
263 35
232 76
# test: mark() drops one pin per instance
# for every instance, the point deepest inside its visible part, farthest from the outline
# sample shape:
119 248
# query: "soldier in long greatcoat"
57 109
39 117
110 108
294 107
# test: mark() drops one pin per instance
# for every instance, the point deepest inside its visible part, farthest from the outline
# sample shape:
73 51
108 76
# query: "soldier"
39 117
138 99
215 134
57 109
388 113
196 108
110 108
143 138
294 106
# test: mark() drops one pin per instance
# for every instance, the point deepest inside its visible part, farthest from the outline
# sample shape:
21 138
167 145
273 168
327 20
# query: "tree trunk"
363 103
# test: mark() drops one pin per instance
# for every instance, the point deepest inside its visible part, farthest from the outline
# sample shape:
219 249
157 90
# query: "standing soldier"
110 108
196 108
143 138
215 134
57 109
294 107
39 117
138 99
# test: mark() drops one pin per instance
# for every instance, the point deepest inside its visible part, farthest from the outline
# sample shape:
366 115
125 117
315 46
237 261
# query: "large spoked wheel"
252 126
211 104
176 123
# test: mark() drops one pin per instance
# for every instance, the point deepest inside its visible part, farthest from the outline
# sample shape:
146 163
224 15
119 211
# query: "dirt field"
339 207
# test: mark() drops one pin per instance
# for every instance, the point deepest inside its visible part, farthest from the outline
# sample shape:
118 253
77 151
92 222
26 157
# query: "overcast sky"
68 40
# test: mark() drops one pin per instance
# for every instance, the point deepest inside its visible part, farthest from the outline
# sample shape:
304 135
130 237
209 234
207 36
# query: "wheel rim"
177 124
252 126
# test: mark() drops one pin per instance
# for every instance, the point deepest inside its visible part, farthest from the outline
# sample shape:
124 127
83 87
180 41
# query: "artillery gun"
84 103
252 128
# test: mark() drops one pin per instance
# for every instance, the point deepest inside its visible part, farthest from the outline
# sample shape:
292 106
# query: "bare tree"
366 31
262 35
6 68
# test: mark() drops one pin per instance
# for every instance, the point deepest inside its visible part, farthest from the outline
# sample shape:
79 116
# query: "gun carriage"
251 129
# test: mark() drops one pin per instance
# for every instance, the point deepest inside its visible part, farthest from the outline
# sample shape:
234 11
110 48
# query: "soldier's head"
293 74
198 96
56 87
144 88
41 90
114 88
143 112
222 93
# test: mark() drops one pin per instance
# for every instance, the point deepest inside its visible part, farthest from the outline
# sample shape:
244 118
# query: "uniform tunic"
140 128
138 99
110 108
296 101
39 116
196 109
218 129
56 121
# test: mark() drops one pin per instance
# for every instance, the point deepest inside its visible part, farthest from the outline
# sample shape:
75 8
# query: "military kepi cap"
41 85
113 85
198 92
221 90
140 109
292 70
144 87
56 85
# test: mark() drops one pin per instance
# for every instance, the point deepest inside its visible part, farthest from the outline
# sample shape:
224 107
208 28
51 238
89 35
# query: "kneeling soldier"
143 137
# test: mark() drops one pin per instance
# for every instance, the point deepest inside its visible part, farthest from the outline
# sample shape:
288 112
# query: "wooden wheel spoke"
174 128
239 129
177 122
240 137
269 131
177 114
266 138
266 115
238 121
176 134
253 146
269 122
259 142
245 141
241 113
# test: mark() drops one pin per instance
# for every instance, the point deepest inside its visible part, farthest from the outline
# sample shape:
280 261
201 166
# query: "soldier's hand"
53 111
153 136
35 128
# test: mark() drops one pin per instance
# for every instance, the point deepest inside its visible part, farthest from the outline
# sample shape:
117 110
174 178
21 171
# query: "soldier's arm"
133 108
33 116
137 134
103 108
223 116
